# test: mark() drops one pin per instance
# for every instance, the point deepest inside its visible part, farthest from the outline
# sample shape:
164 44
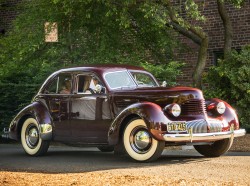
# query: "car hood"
158 95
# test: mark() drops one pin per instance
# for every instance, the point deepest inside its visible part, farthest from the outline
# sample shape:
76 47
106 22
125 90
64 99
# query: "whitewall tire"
31 140
139 144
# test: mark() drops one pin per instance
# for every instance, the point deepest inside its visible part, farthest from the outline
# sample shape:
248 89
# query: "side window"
52 88
61 84
89 84
83 83
64 85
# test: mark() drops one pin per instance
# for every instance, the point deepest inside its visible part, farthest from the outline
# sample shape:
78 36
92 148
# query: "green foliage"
90 32
236 3
192 9
230 80
165 72
13 98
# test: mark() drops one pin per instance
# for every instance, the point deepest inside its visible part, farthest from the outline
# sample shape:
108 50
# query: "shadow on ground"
63 159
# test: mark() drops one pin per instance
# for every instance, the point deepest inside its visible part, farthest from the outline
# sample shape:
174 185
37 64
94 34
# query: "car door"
90 111
57 95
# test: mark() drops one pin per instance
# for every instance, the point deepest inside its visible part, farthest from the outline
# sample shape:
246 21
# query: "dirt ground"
241 144
225 170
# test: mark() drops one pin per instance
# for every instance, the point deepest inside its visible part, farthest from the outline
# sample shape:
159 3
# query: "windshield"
143 79
129 79
119 79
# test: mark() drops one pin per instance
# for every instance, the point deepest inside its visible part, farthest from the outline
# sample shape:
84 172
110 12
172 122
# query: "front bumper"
200 137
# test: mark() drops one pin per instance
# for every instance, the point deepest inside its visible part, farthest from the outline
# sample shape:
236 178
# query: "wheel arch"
35 110
125 121
150 113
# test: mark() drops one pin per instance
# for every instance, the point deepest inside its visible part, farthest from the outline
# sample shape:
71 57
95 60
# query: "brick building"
8 12
213 27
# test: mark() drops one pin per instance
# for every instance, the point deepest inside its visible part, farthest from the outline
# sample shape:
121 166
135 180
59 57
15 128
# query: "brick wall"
214 28
8 13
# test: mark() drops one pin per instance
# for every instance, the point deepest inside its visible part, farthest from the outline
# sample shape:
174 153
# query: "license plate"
177 127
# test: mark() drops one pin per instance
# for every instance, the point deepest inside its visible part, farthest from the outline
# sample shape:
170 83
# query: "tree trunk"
197 36
228 29
201 63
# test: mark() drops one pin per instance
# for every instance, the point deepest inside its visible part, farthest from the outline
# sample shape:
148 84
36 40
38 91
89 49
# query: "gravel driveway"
88 166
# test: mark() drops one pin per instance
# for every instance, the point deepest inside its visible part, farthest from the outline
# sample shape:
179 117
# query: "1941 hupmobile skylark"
123 109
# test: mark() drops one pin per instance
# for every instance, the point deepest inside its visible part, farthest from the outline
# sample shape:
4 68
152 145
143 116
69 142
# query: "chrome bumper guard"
190 137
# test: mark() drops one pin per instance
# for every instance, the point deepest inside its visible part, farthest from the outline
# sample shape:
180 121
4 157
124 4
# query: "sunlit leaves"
192 9
230 80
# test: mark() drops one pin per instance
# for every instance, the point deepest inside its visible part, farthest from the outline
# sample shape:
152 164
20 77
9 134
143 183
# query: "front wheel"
139 144
31 140
214 150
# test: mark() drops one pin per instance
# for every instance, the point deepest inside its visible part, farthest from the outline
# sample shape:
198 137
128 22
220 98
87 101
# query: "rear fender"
40 113
152 115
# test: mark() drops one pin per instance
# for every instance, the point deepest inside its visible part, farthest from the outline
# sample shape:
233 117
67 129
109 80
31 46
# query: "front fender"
229 117
40 113
152 115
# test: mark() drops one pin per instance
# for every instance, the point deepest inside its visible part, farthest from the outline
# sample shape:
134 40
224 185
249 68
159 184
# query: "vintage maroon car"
123 109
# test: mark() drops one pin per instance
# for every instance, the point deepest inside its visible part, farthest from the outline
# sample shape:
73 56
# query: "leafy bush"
165 72
13 98
230 80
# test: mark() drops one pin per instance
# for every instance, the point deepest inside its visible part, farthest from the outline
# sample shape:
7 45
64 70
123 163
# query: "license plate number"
177 127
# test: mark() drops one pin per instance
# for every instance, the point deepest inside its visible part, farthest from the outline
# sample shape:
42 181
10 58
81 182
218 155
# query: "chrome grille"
193 107
198 126
203 126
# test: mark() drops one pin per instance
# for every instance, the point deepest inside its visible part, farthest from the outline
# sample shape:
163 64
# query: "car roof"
101 68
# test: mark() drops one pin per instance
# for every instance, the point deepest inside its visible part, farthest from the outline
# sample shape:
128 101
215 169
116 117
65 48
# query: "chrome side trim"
190 137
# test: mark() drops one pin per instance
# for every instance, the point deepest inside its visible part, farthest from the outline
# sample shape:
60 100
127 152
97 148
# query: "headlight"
173 109
221 108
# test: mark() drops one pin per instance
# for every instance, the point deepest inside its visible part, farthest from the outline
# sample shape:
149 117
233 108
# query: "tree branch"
185 32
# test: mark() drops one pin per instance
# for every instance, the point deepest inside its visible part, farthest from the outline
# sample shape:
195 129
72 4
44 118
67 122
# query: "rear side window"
61 84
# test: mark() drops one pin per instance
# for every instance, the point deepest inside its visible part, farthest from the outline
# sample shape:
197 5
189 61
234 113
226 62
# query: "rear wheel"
31 140
139 144
214 150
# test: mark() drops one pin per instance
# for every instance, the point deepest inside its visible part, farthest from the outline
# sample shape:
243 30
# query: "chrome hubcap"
140 140
32 136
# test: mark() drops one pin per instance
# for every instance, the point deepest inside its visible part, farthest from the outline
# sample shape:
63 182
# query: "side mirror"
164 84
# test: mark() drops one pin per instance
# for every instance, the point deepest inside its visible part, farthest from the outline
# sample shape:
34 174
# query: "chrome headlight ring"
173 109
218 107
221 107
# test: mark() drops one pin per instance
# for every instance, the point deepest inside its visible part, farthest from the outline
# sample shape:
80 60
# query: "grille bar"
193 107
203 126
198 126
